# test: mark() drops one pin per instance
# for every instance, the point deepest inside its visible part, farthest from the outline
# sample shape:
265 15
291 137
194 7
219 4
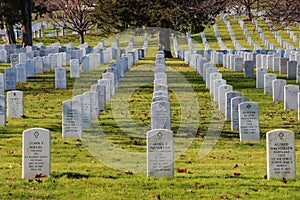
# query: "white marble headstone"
2 110
74 68
101 90
228 97
71 119
15 104
39 67
2 87
213 76
291 69
21 73
249 121
10 76
60 78
221 96
291 97
281 159
268 78
160 153
30 68
249 69
215 86
93 95
278 89
36 153
208 72
235 101
106 83
110 76
260 77
283 65
160 115
86 110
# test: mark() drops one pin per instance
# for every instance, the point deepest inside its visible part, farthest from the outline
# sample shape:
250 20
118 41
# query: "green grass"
231 170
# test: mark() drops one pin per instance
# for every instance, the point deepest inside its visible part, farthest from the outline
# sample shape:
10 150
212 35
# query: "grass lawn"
109 162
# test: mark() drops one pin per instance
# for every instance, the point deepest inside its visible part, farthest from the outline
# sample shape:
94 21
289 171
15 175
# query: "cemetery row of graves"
80 112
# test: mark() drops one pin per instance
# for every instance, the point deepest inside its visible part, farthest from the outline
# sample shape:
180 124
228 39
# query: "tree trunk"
10 34
165 42
81 37
249 13
26 29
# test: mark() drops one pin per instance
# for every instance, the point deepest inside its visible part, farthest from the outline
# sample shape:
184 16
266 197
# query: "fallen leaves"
182 170
31 188
135 142
200 186
189 190
236 174
154 196
40 176
224 197
11 179
284 180
129 173
38 180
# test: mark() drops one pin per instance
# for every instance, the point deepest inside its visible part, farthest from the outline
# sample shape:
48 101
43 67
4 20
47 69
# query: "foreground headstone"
160 153
249 121
71 119
15 104
281 159
36 153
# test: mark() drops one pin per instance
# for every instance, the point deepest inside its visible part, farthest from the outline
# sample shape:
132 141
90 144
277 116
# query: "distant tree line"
112 16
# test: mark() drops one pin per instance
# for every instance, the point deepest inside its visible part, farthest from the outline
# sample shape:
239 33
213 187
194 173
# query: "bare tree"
72 14
243 7
281 13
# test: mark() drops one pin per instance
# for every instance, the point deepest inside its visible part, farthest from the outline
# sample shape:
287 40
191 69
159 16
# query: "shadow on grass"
70 175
